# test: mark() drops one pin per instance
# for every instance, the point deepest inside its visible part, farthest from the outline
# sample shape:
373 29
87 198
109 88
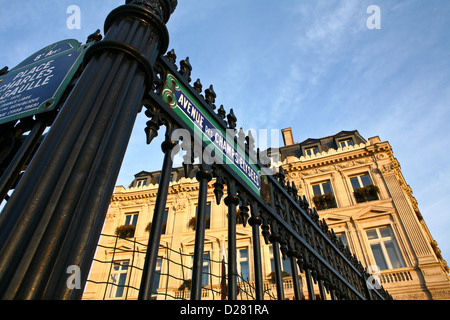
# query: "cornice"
335 156
150 191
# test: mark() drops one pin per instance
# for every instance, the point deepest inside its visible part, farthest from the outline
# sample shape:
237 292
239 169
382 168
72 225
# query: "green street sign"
191 111
37 83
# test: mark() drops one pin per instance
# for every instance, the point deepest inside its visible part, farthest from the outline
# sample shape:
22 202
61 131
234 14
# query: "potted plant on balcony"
125 231
324 201
192 222
163 229
368 193
318 201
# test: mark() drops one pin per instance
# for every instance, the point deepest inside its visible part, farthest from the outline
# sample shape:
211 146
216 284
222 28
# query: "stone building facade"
355 184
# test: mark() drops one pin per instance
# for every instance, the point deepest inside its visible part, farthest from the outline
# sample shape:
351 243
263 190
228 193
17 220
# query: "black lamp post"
54 218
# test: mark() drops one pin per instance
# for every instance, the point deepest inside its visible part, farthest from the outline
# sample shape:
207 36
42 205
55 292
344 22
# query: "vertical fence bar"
9 177
203 176
151 257
278 270
295 278
110 267
368 290
131 267
255 222
182 273
232 201
310 285
323 295
168 271
333 295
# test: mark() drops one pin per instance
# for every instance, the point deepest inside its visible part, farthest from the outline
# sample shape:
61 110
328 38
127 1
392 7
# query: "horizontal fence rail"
54 218
115 251
284 218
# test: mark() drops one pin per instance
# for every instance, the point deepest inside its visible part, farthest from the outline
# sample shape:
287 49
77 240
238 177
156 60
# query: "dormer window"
141 182
346 143
311 151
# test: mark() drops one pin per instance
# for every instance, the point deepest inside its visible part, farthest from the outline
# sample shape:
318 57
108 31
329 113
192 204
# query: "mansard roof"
296 149
323 144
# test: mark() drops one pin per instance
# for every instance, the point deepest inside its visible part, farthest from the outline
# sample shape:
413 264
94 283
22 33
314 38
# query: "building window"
363 188
286 270
157 276
207 215
311 151
141 182
118 279
323 196
205 269
343 237
242 264
164 224
384 248
131 219
346 143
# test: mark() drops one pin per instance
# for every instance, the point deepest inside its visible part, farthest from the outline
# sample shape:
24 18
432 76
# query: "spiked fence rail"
54 217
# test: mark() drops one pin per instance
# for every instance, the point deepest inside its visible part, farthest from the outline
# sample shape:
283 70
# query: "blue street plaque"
191 111
37 83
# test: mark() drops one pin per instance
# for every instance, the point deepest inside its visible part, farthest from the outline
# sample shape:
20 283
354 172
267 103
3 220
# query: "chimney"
374 140
287 136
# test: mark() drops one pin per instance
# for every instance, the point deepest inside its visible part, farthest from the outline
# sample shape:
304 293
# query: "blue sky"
310 65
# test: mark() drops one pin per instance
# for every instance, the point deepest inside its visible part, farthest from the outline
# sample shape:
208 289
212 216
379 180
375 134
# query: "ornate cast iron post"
292 253
278 270
309 282
232 201
59 206
255 222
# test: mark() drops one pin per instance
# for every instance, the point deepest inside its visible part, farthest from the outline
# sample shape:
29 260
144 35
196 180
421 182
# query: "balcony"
325 201
395 276
368 193
246 291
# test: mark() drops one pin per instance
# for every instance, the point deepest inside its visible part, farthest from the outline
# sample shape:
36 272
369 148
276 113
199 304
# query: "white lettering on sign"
222 143
29 79
196 116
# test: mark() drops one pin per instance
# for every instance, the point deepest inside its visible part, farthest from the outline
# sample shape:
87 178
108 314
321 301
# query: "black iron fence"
173 264
285 219
63 183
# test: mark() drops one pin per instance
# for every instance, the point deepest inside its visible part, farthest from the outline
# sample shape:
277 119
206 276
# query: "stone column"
422 249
